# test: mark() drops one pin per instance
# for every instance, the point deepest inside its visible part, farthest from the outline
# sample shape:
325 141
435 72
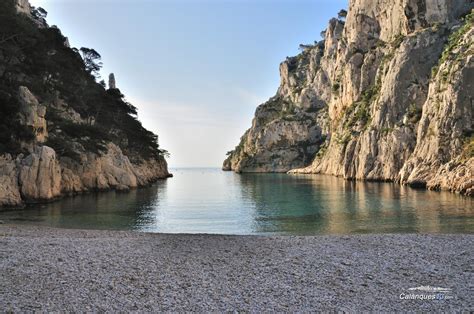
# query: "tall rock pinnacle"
112 84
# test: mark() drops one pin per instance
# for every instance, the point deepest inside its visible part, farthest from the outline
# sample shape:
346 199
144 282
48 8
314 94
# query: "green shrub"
453 42
414 113
343 139
322 150
397 41
468 148
63 147
359 112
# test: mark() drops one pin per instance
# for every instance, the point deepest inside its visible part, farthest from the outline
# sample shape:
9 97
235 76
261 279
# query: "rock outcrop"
289 128
23 6
112 170
61 132
39 175
32 114
112 84
9 189
392 86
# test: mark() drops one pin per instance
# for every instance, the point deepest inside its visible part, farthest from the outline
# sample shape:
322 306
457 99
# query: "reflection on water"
308 204
212 201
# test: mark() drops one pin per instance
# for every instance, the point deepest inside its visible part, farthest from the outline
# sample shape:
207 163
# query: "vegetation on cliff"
38 57
61 131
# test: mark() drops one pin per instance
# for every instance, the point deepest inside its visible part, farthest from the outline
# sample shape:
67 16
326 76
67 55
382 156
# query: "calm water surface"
213 201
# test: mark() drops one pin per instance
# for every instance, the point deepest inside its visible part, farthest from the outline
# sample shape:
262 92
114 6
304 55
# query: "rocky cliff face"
288 129
390 91
61 132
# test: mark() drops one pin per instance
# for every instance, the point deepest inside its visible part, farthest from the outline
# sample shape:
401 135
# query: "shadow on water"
103 210
212 201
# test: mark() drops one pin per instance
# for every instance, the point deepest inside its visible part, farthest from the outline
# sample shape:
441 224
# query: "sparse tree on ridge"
303 47
342 14
91 61
39 13
323 34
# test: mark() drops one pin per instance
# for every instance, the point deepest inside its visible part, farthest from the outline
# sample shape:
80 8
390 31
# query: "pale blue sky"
196 69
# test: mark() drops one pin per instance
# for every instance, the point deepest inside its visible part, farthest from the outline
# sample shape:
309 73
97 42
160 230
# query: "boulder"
40 175
9 189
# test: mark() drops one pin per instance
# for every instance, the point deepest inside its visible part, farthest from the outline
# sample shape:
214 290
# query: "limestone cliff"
390 91
61 132
288 129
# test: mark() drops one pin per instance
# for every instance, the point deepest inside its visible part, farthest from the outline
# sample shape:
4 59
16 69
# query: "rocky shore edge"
41 177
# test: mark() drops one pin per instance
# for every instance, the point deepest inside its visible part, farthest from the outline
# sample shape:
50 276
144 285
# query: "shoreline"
33 202
36 202
414 186
49 269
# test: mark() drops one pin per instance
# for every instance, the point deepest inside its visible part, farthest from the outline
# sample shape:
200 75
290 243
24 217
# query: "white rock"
40 175
32 114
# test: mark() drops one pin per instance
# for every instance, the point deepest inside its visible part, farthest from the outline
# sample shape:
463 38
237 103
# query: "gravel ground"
45 269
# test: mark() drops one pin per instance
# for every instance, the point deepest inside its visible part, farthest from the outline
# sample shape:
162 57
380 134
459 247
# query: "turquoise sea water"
213 201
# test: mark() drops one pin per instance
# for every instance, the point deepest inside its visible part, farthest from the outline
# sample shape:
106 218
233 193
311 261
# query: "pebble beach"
47 269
